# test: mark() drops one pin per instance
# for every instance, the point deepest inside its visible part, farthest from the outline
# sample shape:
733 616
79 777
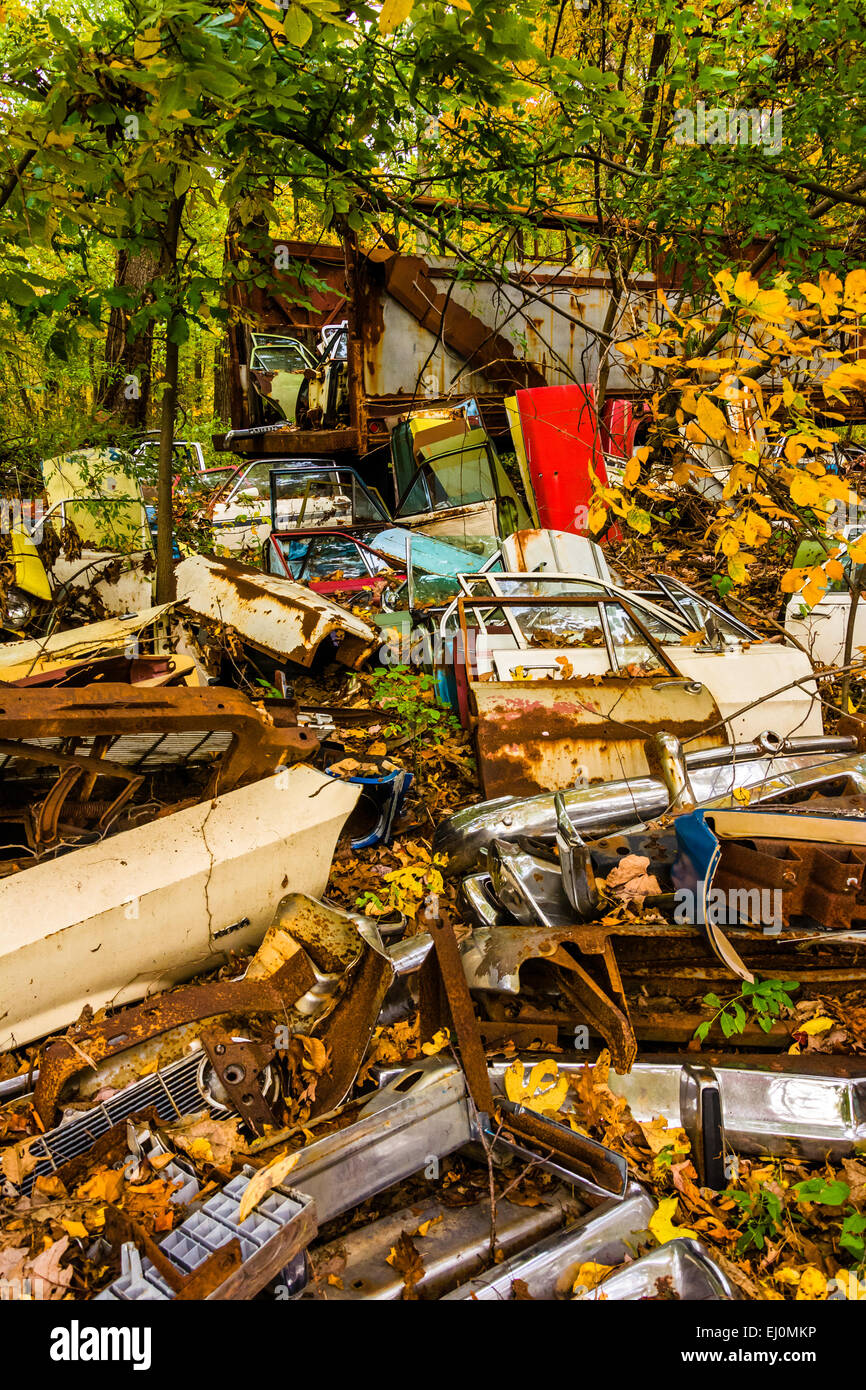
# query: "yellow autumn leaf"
424 1228
631 473
746 287
804 490
771 306
75 1229
743 795
590 1275
816 1025
393 13
812 1286
534 1095
815 587
792 581
63 138
737 568
200 1148
850 1285
857 550
710 418
787 1275
659 1135
597 516
146 45
661 1222
436 1043
265 1180
855 291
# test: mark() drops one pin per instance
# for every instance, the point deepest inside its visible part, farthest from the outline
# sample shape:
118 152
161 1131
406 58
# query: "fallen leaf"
661 1222
405 1258
590 1275
437 1042
812 1286
264 1181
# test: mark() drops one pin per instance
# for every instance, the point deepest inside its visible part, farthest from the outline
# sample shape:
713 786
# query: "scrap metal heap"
210 1059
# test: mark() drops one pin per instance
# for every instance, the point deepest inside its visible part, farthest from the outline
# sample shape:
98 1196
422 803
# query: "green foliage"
761 1001
411 696
760 1216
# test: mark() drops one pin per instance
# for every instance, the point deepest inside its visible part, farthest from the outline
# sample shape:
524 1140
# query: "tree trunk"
165 474
125 385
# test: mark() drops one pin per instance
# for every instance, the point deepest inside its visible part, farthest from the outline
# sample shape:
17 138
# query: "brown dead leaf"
855 1176
629 879
265 1180
17 1162
406 1259
221 1138
46 1267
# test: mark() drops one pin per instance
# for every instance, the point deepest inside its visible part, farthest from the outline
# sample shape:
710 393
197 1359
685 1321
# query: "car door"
277 367
242 516
564 690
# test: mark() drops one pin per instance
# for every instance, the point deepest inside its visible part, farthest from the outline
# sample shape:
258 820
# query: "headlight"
18 607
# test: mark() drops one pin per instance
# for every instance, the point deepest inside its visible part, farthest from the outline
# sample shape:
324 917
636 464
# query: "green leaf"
297 26
182 180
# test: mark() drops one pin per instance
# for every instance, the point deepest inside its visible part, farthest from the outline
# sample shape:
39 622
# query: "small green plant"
411 696
760 1216
722 583
835 1193
760 1000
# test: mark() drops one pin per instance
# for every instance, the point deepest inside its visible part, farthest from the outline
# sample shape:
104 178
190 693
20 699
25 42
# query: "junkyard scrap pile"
427 904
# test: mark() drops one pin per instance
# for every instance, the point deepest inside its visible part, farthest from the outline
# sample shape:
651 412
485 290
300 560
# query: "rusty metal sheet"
548 735
461 1009
361 972
274 615
37 656
257 746
492 959
87 1045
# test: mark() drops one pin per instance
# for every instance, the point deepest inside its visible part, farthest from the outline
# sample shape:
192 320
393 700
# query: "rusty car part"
460 1008
200 1283
88 1045
558 1149
212 1254
546 735
117 669
770 769
582 1161
239 1067
162 902
256 745
76 773
273 615
818 880
493 957
37 657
